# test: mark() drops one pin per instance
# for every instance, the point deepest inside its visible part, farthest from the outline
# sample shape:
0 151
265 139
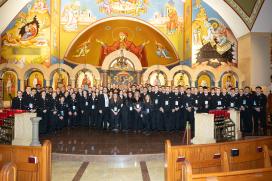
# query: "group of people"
138 108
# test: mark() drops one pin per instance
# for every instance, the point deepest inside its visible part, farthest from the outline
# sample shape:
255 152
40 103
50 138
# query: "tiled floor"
101 171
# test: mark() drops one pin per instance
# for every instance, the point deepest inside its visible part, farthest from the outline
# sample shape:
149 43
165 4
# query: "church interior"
138 90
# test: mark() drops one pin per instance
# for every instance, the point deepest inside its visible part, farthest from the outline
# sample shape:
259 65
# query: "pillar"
73 82
105 78
193 83
22 84
138 74
216 83
254 58
169 82
35 131
47 82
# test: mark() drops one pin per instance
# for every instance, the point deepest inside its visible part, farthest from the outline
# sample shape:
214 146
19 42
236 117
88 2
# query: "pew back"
8 172
40 171
209 158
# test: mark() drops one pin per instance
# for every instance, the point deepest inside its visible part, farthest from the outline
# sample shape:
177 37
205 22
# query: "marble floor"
104 171
85 141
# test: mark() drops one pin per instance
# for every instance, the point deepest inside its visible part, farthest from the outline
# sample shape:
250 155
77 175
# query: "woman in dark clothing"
146 111
115 108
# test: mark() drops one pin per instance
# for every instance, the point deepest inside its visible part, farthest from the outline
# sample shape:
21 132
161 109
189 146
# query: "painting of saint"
9 85
157 78
181 79
60 79
204 80
29 30
161 51
124 43
228 80
35 78
85 80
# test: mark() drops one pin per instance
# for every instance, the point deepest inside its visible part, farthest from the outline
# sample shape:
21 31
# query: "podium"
204 129
235 117
23 129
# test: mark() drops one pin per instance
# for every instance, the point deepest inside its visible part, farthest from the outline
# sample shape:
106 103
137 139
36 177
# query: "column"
47 82
254 58
169 82
73 83
35 131
138 74
216 83
22 84
105 78
193 83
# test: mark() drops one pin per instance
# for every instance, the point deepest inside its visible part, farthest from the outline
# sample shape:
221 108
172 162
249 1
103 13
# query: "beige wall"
254 58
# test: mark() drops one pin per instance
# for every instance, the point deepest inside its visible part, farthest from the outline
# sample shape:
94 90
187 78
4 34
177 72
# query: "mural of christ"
124 43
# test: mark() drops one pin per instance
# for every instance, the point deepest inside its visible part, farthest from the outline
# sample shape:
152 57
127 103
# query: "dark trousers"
168 120
53 122
85 118
114 121
43 124
137 122
105 117
259 120
246 121
146 122
156 120
124 118
93 117
189 116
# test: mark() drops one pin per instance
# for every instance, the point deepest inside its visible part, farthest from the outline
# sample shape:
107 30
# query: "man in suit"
103 107
17 102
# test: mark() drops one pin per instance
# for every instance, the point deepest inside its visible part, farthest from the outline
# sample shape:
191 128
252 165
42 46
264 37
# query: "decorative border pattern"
249 20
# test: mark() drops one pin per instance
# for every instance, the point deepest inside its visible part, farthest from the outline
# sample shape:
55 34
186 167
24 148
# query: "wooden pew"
8 172
260 174
211 158
40 171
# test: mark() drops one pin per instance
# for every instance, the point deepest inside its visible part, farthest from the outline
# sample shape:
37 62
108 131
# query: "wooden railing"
217 158
23 157
8 172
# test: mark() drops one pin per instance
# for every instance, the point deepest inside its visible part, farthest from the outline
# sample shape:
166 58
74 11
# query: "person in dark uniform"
156 114
17 102
217 100
73 111
62 113
94 111
225 98
233 100
53 112
168 117
30 102
123 112
206 101
43 106
137 105
104 110
176 104
188 103
129 105
259 112
85 109
146 112
115 108
246 111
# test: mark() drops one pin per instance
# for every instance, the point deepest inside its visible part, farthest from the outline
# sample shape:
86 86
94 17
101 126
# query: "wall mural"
181 79
10 84
143 40
165 15
35 78
26 40
122 77
213 42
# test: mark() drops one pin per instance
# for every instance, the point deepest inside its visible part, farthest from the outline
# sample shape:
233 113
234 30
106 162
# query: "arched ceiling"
235 12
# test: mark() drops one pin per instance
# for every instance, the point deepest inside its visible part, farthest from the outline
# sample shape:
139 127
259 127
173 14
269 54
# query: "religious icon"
29 30
60 79
85 79
228 80
204 80
173 23
181 79
121 44
157 78
35 78
9 85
